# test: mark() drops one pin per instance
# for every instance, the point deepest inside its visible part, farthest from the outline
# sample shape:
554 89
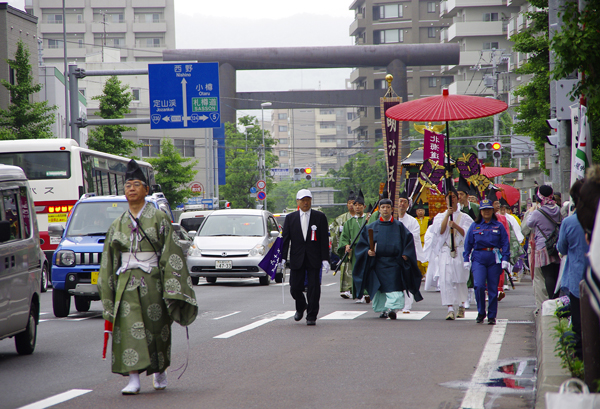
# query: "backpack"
553 238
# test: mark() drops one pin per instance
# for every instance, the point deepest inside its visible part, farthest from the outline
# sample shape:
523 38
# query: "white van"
192 220
20 263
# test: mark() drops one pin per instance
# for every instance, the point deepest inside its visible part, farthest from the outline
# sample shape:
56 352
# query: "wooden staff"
371 240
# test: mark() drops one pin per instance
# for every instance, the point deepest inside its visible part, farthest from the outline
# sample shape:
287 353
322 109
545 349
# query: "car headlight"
194 251
65 258
257 250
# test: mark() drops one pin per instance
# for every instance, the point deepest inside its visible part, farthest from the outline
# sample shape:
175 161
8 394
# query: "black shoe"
480 318
392 315
383 315
311 322
491 321
298 315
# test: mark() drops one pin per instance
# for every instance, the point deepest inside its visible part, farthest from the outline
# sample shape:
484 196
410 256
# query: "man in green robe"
144 286
349 232
335 231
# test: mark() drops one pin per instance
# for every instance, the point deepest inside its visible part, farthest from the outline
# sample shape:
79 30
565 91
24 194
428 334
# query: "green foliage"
114 104
24 119
172 173
241 158
283 194
565 348
576 49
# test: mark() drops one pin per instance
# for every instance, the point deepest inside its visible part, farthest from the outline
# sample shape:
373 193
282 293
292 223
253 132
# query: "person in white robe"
451 275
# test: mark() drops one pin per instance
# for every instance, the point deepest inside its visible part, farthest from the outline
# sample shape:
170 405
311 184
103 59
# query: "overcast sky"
265 23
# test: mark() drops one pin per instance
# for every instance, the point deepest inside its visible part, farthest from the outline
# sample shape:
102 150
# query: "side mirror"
274 233
192 233
55 230
4 231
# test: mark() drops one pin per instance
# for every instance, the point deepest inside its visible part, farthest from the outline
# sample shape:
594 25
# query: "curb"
550 372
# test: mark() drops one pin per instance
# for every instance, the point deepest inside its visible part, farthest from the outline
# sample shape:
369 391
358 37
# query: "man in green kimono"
335 231
144 286
349 232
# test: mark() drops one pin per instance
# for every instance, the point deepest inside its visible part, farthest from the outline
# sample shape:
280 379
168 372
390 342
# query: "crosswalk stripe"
56 399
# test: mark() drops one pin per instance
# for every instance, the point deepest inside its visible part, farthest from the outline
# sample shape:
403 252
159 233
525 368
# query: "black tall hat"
385 194
463 185
351 196
360 198
503 202
450 187
134 172
419 205
473 191
492 196
403 195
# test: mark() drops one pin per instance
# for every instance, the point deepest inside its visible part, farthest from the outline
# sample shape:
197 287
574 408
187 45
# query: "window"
136 94
431 7
117 18
377 112
283 141
390 36
55 19
82 91
490 16
350 116
432 82
327 138
431 32
282 116
282 128
390 11
55 43
490 46
380 84
118 42
378 134
152 42
150 18
80 43
80 18
349 130
283 153
326 111
186 147
10 212
150 147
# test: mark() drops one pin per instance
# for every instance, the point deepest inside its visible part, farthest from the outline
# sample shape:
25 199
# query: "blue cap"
485 204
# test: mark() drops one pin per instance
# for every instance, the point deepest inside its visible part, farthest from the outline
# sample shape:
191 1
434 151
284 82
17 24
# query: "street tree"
24 119
114 104
173 173
241 157
534 108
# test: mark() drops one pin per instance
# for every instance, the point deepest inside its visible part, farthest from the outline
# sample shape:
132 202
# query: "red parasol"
492 172
511 194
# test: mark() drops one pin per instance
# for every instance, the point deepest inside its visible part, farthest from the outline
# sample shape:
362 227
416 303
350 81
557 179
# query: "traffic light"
496 150
308 172
483 147
227 205
296 175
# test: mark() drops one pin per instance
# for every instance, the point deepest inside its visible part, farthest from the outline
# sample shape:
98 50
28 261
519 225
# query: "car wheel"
45 278
264 280
211 280
61 303
25 341
195 280
82 304
279 277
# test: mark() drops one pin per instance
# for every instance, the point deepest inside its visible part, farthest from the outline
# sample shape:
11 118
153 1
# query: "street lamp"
248 127
264 173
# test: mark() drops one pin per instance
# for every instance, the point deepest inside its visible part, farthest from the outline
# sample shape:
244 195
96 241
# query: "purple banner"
391 131
433 147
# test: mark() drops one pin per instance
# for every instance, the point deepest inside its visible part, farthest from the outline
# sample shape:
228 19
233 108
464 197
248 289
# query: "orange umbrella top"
446 107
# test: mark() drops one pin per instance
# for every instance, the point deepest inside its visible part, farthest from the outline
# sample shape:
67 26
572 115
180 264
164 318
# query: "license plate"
57 218
223 265
95 277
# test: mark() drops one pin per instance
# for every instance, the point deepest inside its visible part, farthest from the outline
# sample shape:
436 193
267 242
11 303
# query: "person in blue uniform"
487 251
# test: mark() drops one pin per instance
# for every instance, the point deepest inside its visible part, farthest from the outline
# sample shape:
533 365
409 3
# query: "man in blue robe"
391 267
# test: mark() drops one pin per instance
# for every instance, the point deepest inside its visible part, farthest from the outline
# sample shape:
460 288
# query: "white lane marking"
469 315
475 396
256 324
412 316
343 315
329 285
56 399
228 315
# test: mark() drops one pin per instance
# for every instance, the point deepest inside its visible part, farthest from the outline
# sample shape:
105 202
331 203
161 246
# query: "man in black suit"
309 233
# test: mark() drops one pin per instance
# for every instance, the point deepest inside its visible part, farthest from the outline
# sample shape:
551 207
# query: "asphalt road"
246 351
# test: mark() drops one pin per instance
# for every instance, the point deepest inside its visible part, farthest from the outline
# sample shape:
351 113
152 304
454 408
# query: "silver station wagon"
231 243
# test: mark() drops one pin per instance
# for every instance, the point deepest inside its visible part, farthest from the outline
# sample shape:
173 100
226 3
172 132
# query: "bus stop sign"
184 95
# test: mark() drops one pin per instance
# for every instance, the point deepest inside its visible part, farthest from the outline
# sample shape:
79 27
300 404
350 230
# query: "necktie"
304 224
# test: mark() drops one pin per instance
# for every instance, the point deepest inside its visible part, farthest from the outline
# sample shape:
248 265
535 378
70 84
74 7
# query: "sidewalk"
550 373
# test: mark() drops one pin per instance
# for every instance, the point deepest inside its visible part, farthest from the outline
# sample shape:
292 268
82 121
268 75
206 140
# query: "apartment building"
139 29
316 138
517 23
395 21
481 29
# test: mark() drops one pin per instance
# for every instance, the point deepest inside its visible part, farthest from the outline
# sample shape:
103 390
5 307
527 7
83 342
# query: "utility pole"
66 72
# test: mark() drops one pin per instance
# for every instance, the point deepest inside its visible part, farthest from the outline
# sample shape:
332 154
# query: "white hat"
303 193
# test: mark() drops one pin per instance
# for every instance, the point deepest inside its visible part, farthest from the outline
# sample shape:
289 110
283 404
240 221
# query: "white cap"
303 193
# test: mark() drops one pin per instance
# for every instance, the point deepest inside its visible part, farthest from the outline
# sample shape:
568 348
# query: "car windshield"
94 219
232 225
192 224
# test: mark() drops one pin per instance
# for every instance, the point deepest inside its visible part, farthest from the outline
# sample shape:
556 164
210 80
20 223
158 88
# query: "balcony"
98 28
325 117
108 4
160 27
148 3
326 132
360 122
358 26
57 4
463 88
450 8
476 29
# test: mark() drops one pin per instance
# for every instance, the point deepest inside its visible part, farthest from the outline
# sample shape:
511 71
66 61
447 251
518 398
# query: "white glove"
282 264
506 266
467 265
325 267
